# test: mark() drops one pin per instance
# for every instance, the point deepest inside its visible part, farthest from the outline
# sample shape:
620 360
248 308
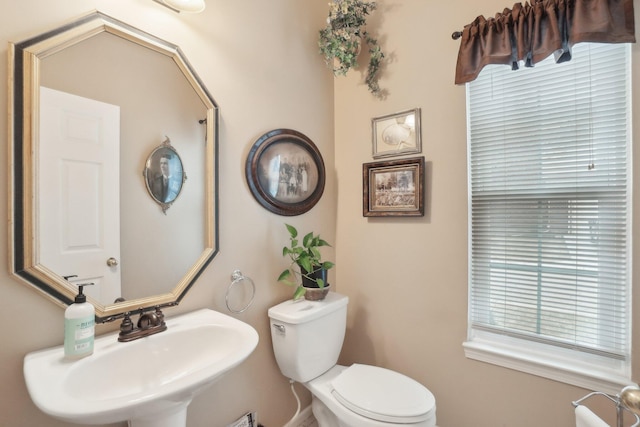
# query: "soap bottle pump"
79 325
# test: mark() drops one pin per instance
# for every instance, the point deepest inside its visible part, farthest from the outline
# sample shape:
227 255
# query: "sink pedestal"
173 416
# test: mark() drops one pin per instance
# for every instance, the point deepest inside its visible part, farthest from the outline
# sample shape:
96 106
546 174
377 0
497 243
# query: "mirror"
71 91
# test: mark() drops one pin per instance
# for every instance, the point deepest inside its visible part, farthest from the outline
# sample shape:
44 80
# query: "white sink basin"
148 382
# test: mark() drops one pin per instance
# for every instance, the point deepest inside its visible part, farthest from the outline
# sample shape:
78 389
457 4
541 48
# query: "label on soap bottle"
79 336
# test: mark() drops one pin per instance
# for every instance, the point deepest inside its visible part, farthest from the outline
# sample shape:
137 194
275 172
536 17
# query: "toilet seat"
382 394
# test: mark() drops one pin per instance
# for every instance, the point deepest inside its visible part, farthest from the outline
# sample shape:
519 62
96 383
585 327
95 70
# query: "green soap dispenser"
79 326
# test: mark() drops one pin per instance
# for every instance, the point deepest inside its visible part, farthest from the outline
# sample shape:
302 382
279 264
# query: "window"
549 187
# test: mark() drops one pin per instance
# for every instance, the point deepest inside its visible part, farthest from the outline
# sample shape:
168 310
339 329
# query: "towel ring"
239 282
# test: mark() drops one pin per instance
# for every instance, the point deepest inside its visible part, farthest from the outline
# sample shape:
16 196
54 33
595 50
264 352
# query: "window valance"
537 29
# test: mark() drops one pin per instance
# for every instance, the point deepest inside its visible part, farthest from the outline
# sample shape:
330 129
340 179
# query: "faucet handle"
126 325
160 315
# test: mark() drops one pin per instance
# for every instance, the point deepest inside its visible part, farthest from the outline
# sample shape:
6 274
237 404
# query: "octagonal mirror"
90 102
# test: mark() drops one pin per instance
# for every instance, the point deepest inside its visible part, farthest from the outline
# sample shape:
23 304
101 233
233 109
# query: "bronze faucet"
149 323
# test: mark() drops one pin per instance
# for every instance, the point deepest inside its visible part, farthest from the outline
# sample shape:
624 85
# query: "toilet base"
323 415
331 413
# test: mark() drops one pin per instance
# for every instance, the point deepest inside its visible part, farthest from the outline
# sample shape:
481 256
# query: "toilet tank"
307 336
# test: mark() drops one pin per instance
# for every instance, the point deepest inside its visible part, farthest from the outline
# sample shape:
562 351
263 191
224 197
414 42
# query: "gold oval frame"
159 152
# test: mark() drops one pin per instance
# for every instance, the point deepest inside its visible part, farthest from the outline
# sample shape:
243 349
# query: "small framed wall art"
393 188
285 172
397 134
164 174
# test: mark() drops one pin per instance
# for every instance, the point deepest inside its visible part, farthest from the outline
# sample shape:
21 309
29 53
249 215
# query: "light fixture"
189 6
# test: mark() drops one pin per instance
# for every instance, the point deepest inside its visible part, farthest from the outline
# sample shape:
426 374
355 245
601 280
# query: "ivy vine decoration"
340 41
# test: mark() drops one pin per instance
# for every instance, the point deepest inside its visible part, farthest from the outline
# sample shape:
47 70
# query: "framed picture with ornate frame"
164 174
396 134
393 188
285 172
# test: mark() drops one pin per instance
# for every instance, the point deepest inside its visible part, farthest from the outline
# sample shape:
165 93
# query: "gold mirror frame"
23 91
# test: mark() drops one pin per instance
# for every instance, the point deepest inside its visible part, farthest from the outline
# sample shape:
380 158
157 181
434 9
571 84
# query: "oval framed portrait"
285 172
164 174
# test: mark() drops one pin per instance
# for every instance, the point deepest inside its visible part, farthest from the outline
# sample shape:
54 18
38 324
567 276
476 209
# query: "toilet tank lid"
301 310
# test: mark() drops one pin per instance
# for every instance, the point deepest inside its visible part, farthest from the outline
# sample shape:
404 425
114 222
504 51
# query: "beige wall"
407 278
258 59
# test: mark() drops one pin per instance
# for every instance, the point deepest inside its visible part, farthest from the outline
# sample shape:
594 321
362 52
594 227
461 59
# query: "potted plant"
341 40
306 256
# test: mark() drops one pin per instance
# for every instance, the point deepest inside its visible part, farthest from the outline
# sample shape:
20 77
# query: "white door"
78 191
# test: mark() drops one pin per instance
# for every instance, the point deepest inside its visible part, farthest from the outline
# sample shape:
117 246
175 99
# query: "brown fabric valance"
537 29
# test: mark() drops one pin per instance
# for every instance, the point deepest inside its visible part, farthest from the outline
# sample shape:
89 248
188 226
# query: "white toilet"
307 338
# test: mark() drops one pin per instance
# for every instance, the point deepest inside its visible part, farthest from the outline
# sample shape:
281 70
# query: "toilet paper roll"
586 418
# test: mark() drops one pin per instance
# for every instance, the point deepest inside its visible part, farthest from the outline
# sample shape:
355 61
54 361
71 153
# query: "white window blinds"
550 200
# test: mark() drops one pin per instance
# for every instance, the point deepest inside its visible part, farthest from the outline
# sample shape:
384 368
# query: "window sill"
592 372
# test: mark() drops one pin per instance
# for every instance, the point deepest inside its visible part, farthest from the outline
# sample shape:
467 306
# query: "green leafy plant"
306 257
340 41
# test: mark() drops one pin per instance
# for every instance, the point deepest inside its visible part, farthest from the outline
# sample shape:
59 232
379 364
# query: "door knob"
112 262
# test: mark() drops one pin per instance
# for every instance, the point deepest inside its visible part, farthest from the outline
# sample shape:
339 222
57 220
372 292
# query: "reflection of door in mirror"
155 100
158 94
78 190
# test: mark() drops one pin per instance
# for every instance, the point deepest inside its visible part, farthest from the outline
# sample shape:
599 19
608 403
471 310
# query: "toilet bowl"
307 337
369 396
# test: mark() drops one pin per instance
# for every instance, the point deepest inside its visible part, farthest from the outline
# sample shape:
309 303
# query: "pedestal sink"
148 382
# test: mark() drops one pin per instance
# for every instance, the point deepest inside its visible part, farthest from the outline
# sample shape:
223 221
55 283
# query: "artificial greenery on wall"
341 40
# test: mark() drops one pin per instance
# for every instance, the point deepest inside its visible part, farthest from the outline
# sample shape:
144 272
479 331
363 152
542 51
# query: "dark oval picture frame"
285 172
164 193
